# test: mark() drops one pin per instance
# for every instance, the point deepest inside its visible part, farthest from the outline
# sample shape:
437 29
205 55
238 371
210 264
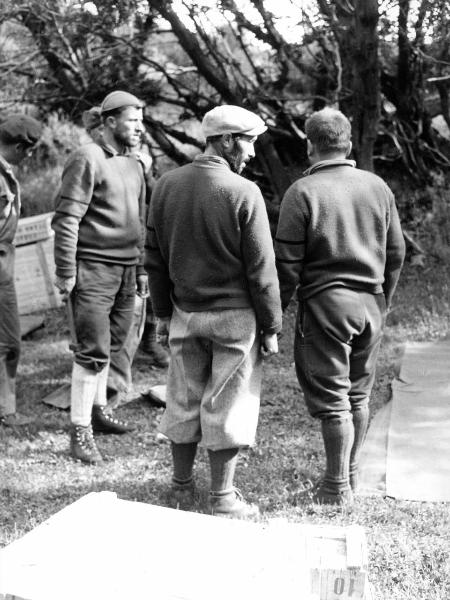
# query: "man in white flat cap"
214 287
99 242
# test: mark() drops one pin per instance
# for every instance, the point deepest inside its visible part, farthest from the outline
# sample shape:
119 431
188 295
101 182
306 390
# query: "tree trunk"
366 82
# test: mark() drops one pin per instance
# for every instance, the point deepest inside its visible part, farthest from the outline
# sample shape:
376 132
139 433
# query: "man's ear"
309 148
110 122
227 140
349 149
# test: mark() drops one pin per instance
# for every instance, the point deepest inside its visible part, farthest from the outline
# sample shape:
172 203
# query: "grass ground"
409 542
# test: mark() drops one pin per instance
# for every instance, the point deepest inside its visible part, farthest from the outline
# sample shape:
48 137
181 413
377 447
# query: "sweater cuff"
273 329
66 272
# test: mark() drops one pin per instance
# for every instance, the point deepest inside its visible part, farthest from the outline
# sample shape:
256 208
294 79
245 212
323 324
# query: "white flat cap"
232 119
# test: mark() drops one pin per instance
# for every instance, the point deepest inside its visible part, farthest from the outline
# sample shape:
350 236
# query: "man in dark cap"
143 329
98 226
18 135
212 276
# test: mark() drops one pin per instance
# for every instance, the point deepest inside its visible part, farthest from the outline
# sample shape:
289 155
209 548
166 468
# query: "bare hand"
142 286
269 344
162 331
65 286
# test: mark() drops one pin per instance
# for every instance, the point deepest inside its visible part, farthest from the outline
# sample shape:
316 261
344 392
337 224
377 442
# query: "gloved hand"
142 286
65 286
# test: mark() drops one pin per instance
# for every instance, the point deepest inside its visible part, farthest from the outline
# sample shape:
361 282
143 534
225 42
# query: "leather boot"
231 503
83 446
102 422
155 352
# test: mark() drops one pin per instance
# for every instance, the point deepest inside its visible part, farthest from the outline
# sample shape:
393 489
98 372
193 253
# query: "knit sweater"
209 245
338 226
100 207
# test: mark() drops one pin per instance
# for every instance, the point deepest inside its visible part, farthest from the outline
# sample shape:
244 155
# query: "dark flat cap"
20 128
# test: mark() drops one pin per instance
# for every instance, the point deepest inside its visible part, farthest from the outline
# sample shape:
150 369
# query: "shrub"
40 175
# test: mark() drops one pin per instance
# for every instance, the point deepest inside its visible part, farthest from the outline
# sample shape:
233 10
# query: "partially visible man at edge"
98 226
18 135
339 239
213 280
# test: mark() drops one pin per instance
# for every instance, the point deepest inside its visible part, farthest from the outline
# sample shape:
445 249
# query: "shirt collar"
112 151
211 160
332 162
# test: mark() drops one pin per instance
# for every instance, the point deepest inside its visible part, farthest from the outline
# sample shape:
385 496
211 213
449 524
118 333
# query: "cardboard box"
33 229
104 548
34 277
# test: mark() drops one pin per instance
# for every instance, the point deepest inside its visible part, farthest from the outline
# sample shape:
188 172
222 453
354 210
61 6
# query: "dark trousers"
119 377
103 305
337 338
9 332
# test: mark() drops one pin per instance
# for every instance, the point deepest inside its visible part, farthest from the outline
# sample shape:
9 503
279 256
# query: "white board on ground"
103 548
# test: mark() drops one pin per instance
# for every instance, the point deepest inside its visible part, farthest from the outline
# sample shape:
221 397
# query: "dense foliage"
384 63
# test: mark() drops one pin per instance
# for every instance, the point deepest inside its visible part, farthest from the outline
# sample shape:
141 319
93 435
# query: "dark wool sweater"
338 226
209 245
100 209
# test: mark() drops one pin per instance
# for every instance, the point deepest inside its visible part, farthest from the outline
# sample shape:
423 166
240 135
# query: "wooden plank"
34 277
33 229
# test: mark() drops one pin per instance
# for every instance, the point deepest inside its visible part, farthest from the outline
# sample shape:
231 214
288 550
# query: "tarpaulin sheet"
418 449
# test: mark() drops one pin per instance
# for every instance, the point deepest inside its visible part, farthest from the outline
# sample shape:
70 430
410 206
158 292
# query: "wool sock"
82 393
102 380
223 466
360 425
183 457
338 437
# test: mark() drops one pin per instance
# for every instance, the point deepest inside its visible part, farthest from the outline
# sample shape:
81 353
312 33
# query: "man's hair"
115 112
211 139
328 130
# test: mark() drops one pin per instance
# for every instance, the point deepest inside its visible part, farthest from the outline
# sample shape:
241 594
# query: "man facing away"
340 241
212 278
18 135
99 230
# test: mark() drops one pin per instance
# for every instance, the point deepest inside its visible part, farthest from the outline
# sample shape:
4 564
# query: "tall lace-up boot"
83 446
102 422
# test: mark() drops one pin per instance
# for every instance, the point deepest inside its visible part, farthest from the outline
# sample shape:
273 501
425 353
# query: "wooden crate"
33 229
165 554
34 277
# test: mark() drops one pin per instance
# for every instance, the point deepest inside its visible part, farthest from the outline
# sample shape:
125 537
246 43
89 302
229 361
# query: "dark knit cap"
119 99
20 128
